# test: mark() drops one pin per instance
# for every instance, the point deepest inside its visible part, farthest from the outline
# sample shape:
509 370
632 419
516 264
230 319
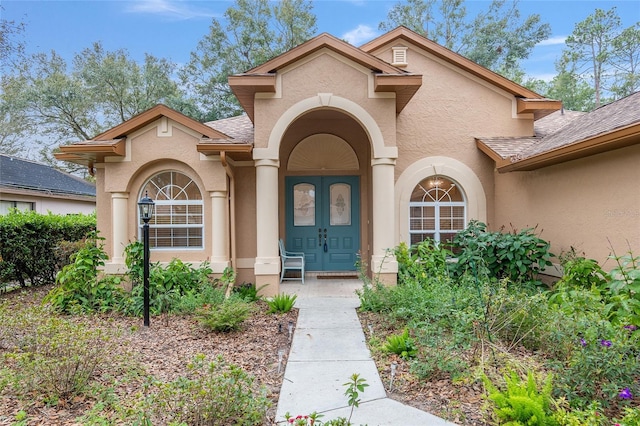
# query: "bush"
518 256
29 243
400 344
247 292
421 262
78 287
225 317
215 393
49 356
281 303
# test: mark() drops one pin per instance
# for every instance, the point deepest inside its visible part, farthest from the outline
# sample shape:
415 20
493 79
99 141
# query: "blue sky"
172 29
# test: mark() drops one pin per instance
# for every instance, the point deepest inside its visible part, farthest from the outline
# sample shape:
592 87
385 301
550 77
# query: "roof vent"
399 56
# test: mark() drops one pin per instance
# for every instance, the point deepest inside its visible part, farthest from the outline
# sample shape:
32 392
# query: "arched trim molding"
326 100
441 166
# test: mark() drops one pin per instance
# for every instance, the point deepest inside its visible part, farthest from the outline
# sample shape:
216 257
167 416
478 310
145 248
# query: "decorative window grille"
178 219
437 210
399 55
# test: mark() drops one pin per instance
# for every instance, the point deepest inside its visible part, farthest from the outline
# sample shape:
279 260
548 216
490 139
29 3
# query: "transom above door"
323 220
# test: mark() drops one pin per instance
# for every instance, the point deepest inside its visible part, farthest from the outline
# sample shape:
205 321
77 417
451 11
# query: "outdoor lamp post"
145 205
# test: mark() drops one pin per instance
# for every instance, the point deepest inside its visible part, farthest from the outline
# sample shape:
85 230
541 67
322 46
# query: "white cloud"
552 41
169 8
360 34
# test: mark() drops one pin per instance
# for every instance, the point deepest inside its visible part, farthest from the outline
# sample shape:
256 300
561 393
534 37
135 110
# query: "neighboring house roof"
387 78
569 135
25 175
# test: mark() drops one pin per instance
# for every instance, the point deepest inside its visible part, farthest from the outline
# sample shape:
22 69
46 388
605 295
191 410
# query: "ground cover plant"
481 333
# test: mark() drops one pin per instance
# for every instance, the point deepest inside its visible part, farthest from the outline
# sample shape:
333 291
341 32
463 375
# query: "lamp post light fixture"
290 328
146 205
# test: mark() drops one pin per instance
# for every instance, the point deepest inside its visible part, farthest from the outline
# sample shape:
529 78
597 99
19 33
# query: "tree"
625 59
496 39
45 103
255 32
11 43
589 47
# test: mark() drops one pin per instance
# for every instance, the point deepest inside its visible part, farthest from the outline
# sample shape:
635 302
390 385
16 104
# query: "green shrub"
78 288
49 356
281 303
517 255
29 243
225 317
421 262
623 299
521 403
214 393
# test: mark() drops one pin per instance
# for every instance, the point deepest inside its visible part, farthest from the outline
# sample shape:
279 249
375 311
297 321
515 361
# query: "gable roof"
112 141
262 78
609 127
20 174
528 102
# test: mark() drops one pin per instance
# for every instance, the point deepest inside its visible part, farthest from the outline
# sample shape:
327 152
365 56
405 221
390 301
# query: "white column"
119 225
267 257
382 258
219 231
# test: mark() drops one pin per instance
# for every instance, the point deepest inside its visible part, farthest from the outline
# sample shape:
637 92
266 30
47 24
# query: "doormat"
337 276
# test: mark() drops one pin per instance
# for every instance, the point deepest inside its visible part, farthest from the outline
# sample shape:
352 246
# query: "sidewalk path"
329 346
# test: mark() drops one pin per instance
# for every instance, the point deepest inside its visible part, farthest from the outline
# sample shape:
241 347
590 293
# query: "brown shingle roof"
568 135
239 128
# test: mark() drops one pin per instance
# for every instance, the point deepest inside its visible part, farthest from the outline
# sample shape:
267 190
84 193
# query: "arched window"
437 210
178 218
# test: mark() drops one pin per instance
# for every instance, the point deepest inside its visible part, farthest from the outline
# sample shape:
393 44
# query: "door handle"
320 237
325 241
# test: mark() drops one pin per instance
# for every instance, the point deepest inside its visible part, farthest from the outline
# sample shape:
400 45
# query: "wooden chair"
291 261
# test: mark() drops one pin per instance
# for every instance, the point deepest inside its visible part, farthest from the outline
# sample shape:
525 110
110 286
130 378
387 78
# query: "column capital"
121 195
388 161
218 194
268 162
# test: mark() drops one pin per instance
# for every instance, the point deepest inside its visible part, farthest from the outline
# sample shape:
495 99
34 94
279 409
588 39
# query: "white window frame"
436 202
173 202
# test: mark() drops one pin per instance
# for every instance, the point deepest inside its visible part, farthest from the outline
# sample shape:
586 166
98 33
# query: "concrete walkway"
329 346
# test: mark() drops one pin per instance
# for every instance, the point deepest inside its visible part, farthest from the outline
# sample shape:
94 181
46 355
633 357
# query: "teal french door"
323 220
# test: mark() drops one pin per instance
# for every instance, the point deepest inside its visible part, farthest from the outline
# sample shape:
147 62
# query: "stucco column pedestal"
219 232
119 225
383 262
267 265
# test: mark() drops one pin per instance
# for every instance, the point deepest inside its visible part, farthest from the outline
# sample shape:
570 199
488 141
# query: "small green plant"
225 317
355 386
401 344
248 292
521 403
281 303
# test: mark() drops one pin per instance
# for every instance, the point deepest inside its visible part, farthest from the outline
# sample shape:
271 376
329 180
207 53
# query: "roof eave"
245 87
403 85
539 107
620 138
235 151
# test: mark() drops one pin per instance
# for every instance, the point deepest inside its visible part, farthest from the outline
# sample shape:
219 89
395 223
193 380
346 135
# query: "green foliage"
250 33
168 286
214 393
623 299
355 386
579 272
521 403
134 259
78 287
422 261
248 292
474 37
281 303
401 344
225 317
518 256
29 244
48 356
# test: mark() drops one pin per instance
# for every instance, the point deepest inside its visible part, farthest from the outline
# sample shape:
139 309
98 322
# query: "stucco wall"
53 204
160 146
592 204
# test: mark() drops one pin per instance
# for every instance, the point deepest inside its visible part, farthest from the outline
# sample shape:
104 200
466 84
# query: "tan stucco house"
344 152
